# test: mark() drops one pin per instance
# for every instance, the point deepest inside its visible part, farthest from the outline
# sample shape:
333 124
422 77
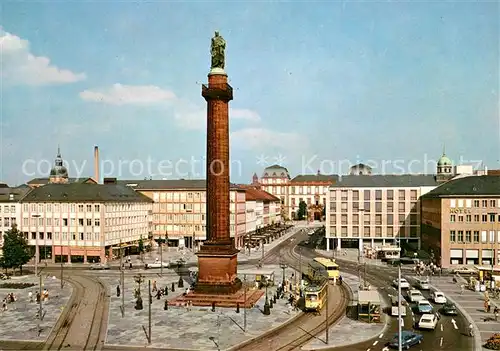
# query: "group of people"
421 268
10 298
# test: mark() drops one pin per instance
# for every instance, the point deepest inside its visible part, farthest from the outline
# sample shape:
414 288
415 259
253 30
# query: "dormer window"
266 175
274 174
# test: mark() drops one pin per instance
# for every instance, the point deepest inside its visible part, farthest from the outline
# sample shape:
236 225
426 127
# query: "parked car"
404 283
99 266
449 309
428 321
423 284
465 270
156 265
424 306
438 297
408 339
415 295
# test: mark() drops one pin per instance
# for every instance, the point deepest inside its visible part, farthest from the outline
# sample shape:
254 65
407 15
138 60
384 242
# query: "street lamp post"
267 308
283 266
37 249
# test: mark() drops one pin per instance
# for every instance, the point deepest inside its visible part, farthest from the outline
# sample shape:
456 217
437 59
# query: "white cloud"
193 117
244 114
120 94
20 66
262 138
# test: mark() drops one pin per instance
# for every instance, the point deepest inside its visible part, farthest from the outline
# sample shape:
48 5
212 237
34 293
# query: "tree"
16 252
141 245
302 212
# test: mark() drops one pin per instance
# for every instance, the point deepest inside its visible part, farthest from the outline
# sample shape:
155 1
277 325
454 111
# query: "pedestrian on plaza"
130 265
495 311
489 306
118 290
38 297
154 286
30 296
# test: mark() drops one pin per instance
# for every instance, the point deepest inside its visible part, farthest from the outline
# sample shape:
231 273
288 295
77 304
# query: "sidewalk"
346 332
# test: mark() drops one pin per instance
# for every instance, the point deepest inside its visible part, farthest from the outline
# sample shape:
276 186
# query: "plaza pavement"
346 332
179 328
19 321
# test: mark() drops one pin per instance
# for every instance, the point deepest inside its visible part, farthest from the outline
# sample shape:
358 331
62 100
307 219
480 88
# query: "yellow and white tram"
315 295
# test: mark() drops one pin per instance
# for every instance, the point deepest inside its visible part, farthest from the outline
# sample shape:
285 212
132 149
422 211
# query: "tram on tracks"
315 295
331 267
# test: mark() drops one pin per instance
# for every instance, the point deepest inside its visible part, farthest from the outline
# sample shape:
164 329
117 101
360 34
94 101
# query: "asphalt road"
444 337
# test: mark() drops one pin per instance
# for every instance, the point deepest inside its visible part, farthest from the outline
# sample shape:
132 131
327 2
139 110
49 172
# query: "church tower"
444 168
58 173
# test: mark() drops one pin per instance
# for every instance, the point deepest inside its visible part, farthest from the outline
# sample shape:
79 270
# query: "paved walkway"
19 322
470 304
180 328
347 331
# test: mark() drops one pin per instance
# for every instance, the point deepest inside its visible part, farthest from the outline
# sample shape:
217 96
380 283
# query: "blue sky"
316 85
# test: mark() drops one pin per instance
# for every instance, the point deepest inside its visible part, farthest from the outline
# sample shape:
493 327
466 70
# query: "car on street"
403 282
449 309
408 339
99 266
438 297
428 321
465 271
156 265
415 295
423 284
424 306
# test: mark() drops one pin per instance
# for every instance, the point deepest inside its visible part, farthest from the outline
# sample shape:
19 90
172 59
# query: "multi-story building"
461 221
10 209
180 206
310 188
372 210
78 222
262 208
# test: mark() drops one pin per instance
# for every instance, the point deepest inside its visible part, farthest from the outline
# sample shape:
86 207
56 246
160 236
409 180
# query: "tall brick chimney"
96 163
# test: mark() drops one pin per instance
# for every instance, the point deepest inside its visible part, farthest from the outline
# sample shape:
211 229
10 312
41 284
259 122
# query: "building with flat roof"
10 209
374 210
460 221
80 222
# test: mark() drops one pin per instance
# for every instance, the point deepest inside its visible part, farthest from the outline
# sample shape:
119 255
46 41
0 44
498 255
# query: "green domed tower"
444 168
58 173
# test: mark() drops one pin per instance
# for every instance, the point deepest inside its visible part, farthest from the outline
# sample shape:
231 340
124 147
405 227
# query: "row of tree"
16 251
302 211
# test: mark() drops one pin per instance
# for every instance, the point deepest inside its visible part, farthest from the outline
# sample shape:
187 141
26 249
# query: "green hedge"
16 285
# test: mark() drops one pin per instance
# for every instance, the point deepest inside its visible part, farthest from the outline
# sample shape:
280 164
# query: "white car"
156 265
438 297
465 270
423 284
428 321
415 295
403 282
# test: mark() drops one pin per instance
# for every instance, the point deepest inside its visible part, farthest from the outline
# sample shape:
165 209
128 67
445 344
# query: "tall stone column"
217 258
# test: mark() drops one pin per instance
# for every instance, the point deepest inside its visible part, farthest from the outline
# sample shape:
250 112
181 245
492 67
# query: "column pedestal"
217 270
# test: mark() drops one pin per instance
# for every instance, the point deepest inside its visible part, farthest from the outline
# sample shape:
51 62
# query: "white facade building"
10 209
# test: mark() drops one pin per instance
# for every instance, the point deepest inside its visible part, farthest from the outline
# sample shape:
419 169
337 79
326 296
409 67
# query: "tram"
315 295
331 267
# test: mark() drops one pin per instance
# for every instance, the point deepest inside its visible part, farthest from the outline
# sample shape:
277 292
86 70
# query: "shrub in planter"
493 342
16 285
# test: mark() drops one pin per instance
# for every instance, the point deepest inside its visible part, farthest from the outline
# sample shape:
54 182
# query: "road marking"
368 350
381 336
375 343
441 342
454 324
441 329
385 349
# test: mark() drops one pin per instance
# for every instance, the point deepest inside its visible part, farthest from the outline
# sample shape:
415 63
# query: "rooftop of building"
276 171
169 184
84 192
487 185
326 178
44 181
255 194
386 181
8 194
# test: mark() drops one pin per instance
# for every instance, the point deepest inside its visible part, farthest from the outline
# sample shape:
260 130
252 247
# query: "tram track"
83 323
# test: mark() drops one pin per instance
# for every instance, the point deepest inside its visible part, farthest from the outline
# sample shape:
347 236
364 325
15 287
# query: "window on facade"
484 203
493 203
333 206
80 221
413 195
378 219
468 218
468 236
65 222
366 219
366 231
378 231
452 218
343 219
390 219
97 208
343 206
476 236
378 206
476 218
80 208
476 203
413 207
378 194
355 206
414 232
367 194
333 195
390 194
460 237
97 223
343 195
333 219
80 236
460 218
343 231
453 236
355 219
73 236
413 219
485 218
390 231
355 231
401 194
390 207
402 207
402 219
366 207
355 195
33 236
492 217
